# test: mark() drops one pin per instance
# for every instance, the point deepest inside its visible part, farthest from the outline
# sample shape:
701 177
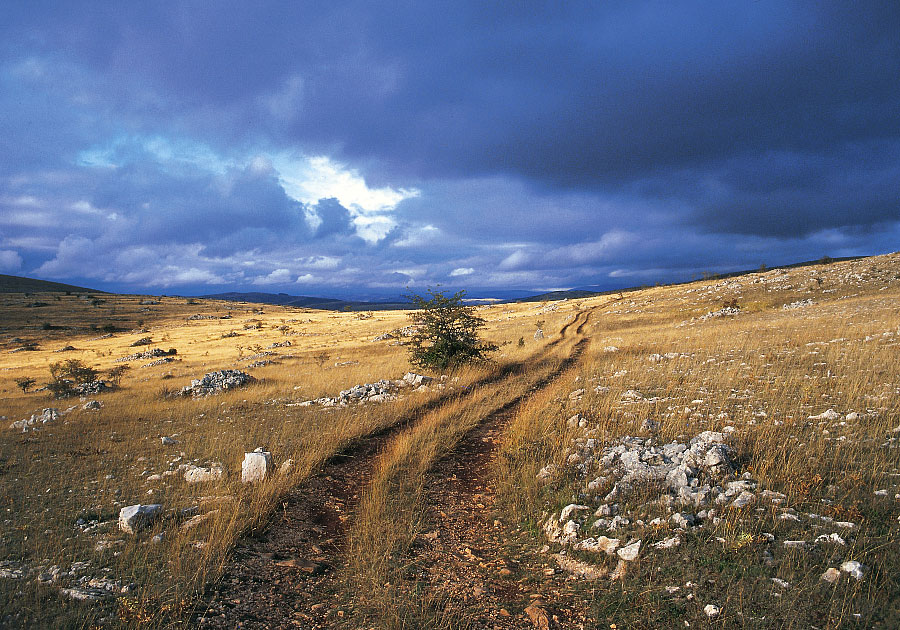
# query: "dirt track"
283 575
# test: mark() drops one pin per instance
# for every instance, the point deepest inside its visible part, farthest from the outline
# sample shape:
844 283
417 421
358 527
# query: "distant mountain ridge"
19 284
305 301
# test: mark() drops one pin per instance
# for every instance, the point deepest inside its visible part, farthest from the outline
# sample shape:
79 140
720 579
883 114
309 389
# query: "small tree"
68 373
115 374
73 370
446 331
24 383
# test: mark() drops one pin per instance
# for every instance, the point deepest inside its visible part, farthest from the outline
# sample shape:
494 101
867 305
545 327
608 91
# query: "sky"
363 148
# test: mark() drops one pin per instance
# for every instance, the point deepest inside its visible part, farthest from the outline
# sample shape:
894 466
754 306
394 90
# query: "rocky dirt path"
466 558
284 575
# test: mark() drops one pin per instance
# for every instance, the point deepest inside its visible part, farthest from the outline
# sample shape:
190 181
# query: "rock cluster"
684 482
722 312
379 391
36 420
149 354
798 304
216 382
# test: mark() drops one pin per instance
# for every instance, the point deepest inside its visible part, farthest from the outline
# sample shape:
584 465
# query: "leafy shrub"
446 332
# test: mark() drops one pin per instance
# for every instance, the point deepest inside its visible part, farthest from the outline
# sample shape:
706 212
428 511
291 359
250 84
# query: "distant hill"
305 301
18 284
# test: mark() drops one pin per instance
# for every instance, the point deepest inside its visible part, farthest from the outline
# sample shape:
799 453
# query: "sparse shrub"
115 374
320 358
73 370
446 332
521 342
732 303
24 383
230 334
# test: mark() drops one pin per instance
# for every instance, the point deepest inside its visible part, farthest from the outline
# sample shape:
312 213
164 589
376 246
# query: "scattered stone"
854 568
287 467
216 382
143 341
196 474
832 575
782 583
92 405
572 508
667 543
36 421
831 538
198 520
602 544
580 569
744 499
712 611
538 617
415 380
135 518
85 594
149 354
168 441
630 552
11 571
831 414
538 334
256 466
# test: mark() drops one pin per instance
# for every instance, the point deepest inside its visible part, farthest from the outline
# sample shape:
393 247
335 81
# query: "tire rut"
281 576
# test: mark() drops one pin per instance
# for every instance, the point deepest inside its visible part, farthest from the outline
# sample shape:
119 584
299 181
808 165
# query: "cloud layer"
321 146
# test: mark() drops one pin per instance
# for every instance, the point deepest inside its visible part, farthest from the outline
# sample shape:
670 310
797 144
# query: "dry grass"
785 364
764 372
89 464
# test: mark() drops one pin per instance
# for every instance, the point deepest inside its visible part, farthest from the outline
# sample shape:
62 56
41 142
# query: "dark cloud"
335 218
537 135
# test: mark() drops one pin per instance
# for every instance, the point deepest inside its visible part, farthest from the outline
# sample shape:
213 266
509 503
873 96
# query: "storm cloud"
308 146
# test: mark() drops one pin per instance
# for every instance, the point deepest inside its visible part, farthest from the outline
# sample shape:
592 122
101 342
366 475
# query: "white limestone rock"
256 466
630 552
135 518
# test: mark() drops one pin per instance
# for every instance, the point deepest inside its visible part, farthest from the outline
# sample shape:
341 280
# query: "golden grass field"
90 463
763 371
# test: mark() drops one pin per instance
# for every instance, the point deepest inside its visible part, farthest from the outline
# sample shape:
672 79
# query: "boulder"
256 466
134 518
